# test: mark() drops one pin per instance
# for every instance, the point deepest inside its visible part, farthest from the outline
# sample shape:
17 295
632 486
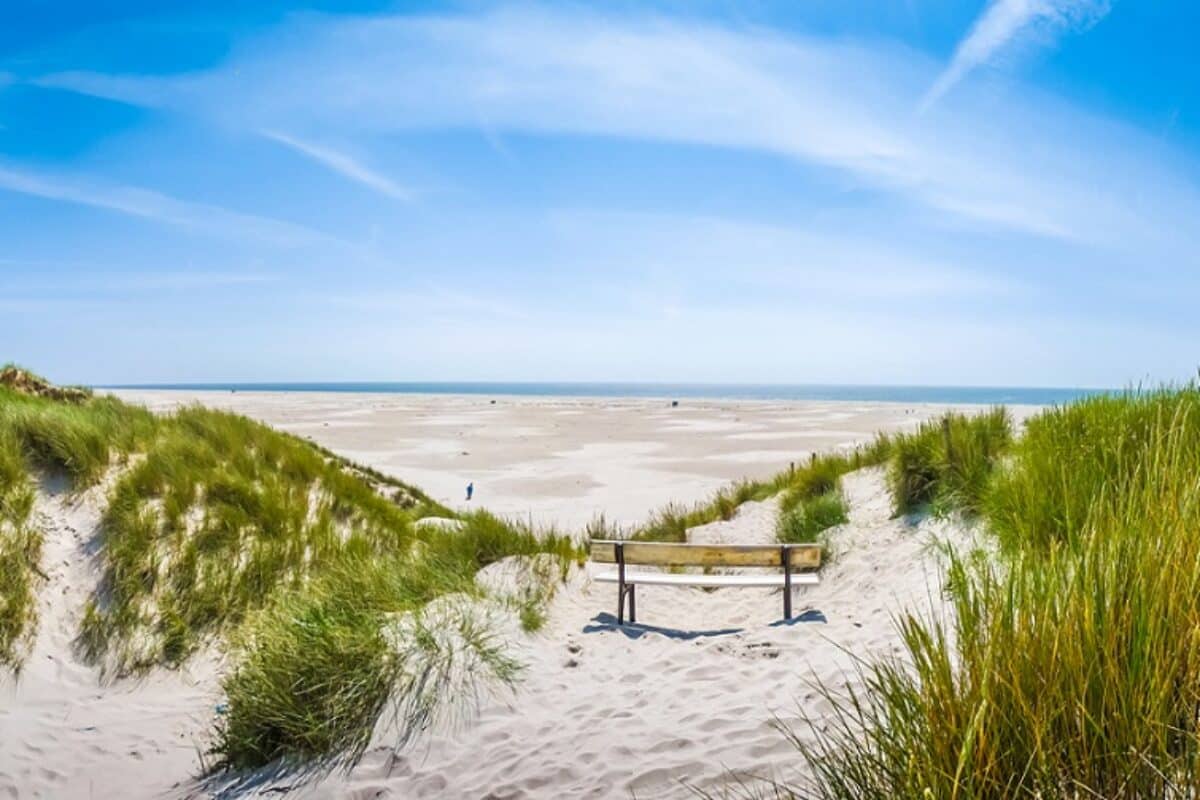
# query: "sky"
928 192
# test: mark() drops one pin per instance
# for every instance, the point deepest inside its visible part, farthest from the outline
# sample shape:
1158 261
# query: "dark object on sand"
674 404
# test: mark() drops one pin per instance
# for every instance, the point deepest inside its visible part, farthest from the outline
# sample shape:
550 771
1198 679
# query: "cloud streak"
343 165
155 206
842 107
103 279
1004 23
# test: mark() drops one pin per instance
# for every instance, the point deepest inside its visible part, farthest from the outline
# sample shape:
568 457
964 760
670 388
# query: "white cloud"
342 164
834 104
147 204
1003 23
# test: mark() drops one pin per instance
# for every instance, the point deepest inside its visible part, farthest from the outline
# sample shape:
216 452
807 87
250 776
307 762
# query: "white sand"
601 711
563 460
684 698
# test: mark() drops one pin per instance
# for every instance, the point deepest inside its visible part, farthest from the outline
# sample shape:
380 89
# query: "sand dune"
66 732
686 697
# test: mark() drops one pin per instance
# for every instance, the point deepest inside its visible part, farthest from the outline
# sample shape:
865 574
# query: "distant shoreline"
981 395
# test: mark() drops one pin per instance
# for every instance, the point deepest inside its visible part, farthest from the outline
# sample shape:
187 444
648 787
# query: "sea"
984 395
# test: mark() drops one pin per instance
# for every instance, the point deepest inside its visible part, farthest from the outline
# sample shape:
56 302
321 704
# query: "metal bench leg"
621 584
787 582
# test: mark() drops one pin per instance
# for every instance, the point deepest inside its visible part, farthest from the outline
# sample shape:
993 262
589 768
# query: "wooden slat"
662 554
774 580
805 556
603 552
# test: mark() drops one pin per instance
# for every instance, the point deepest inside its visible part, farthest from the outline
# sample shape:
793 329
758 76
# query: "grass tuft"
948 463
323 666
809 520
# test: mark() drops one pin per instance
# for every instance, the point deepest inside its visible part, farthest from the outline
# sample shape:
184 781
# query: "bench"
797 562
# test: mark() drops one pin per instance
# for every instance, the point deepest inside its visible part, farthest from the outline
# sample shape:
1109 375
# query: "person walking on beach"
470 490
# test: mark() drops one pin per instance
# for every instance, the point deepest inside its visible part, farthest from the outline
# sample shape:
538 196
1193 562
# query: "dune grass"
218 514
309 565
820 476
808 520
363 636
1072 667
948 463
1077 462
20 554
79 439
66 432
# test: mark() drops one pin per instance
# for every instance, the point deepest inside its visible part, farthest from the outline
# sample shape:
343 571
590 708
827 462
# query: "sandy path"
686 697
562 460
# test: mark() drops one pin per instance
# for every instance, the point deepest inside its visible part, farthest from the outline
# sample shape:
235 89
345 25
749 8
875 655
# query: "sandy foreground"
686 698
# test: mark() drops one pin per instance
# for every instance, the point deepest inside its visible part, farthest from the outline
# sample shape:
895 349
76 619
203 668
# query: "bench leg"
786 557
622 590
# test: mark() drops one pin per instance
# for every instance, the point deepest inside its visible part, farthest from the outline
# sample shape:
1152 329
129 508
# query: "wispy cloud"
151 205
28 275
1004 23
342 164
835 104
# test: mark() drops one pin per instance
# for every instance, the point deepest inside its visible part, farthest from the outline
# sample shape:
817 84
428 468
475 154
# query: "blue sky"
909 191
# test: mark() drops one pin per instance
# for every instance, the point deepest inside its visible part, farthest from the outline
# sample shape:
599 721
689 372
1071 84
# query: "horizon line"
553 382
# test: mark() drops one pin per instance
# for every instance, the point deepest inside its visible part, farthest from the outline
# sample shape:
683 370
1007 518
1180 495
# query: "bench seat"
712 581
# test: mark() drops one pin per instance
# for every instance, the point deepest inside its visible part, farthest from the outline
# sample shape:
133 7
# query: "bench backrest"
665 554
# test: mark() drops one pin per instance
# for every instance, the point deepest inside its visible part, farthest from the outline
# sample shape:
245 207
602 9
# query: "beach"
687 698
558 460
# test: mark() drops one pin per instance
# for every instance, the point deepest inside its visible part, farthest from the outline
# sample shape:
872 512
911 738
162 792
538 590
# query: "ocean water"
987 395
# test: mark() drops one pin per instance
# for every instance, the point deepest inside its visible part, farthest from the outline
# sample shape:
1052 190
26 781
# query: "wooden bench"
797 562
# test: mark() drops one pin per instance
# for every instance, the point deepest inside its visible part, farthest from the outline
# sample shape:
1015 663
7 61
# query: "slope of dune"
67 732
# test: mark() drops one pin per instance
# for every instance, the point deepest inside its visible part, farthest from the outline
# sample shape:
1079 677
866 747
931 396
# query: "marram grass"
821 475
810 520
217 526
20 554
323 666
947 463
1072 667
